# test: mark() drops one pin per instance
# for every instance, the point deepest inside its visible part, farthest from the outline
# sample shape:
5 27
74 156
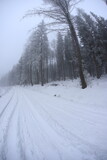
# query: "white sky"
14 32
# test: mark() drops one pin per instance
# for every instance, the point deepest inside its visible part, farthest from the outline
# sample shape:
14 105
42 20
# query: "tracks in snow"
66 136
5 136
6 106
36 126
6 91
9 138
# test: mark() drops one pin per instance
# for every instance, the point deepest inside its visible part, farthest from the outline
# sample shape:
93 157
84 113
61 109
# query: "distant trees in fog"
43 62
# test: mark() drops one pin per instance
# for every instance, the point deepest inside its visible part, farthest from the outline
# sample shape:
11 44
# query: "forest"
43 61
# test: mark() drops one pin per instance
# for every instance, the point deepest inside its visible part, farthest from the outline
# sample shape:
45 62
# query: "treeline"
43 62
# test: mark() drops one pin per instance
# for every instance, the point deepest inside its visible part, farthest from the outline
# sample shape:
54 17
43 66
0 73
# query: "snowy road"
39 126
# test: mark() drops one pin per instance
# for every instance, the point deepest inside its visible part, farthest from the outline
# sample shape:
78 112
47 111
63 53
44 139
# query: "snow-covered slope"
59 121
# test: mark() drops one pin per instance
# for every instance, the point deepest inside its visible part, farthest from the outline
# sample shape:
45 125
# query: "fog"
14 31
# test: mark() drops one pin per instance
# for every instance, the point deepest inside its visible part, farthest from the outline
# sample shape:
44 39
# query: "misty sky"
14 31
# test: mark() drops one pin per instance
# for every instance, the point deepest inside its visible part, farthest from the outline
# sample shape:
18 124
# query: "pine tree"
90 39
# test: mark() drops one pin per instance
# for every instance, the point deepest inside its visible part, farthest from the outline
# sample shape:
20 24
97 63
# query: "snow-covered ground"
4 90
54 122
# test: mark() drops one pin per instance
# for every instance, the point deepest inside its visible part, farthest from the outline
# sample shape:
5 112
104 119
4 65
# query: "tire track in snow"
4 109
25 139
58 129
30 119
88 118
4 116
87 148
76 141
73 101
22 152
5 137
3 94
22 135
76 114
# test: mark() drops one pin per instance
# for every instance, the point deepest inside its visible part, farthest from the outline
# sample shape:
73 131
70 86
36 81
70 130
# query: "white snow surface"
60 122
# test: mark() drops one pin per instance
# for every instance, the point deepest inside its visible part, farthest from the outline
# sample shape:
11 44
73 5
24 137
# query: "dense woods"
43 61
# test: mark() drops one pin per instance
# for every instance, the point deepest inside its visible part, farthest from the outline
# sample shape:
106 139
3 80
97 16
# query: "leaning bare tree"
60 12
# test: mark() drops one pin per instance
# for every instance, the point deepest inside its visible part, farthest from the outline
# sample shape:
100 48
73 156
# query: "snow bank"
94 95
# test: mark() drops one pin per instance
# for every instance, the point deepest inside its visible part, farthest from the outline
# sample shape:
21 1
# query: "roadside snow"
94 95
4 90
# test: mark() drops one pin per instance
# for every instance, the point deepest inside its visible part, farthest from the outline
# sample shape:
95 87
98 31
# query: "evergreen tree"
90 39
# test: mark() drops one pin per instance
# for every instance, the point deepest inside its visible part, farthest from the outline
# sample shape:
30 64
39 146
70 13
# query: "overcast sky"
14 32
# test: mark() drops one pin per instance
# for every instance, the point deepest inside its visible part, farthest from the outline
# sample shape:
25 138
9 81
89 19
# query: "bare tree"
61 13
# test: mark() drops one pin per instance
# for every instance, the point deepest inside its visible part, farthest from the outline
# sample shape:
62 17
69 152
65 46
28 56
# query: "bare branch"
56 30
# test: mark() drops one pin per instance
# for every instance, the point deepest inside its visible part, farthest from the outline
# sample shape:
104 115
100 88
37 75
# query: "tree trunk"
97 67
41 70
63 69
47 69
31 75
78 53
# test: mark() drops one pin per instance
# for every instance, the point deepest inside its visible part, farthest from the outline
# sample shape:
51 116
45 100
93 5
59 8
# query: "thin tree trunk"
41 70
97 67
31 75
63 69
47 69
